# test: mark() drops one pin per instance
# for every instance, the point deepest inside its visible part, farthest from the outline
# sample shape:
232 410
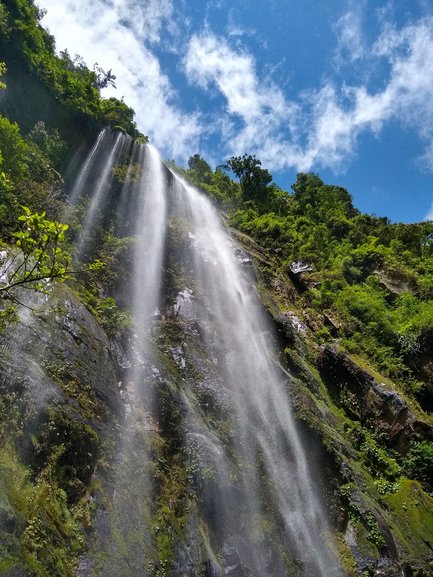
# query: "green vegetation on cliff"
351 294
61 81
358 288
373 279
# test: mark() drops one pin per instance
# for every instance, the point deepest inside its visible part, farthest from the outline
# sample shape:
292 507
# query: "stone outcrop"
372 403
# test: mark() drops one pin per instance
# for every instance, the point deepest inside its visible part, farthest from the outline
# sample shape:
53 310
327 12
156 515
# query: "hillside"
99 476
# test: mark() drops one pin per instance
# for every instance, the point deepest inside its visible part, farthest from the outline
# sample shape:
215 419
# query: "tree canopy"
252 178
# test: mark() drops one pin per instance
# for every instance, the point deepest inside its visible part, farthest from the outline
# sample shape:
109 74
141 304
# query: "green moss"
419 464
345 555
412 510
365 541
169 521
73 445
8 316
43 535
91 407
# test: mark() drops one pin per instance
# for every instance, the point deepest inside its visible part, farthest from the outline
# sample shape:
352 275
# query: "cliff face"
100 475
59 403
367 426
92 484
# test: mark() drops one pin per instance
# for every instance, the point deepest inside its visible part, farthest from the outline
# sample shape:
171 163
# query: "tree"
40 255
118 114
103 78
199 169
252 178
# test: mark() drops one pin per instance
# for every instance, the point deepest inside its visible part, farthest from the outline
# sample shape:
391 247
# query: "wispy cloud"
121 37
350 38
242 108
322 127
341 115
257 104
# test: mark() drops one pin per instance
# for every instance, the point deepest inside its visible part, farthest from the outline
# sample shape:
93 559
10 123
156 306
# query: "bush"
419 463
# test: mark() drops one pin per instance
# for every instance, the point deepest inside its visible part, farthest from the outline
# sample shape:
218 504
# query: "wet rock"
289 325
211 569
284 288
178 356
56 355
332 323
243 257
370 402
392 287
299 272
85 566
388 568
301 266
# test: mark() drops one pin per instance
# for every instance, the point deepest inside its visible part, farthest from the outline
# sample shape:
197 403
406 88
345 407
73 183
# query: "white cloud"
315 129
119 36
319 128
406 99
145 17
348 29
259 105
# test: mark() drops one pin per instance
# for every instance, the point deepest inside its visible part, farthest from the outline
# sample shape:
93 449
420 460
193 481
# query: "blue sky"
337 87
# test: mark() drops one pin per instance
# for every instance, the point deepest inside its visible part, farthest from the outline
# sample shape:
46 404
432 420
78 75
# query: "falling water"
101 146
138 210
150 234
270 458
99 189
260 507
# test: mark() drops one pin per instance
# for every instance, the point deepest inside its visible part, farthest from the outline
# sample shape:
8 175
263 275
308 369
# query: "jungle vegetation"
367 285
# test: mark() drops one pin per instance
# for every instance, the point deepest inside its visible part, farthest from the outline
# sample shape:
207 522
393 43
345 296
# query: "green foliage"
27 173
199 169
8 316
42 534
367 305
419 463
374 277
2 73
99 278
252 178
5 193
40 257
15 151
217 185
107 312
127 173
68 80
373 532
116 113
377 460
49 143
73 446
4 25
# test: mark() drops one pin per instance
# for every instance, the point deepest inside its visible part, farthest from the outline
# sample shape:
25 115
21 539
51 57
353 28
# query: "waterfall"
266 435
251 489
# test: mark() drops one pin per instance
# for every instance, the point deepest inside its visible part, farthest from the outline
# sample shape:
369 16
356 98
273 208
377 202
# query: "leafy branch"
40 257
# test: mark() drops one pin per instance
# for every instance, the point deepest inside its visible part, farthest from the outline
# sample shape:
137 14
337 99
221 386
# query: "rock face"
373 404
59 404
298 272
59 385
56 346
